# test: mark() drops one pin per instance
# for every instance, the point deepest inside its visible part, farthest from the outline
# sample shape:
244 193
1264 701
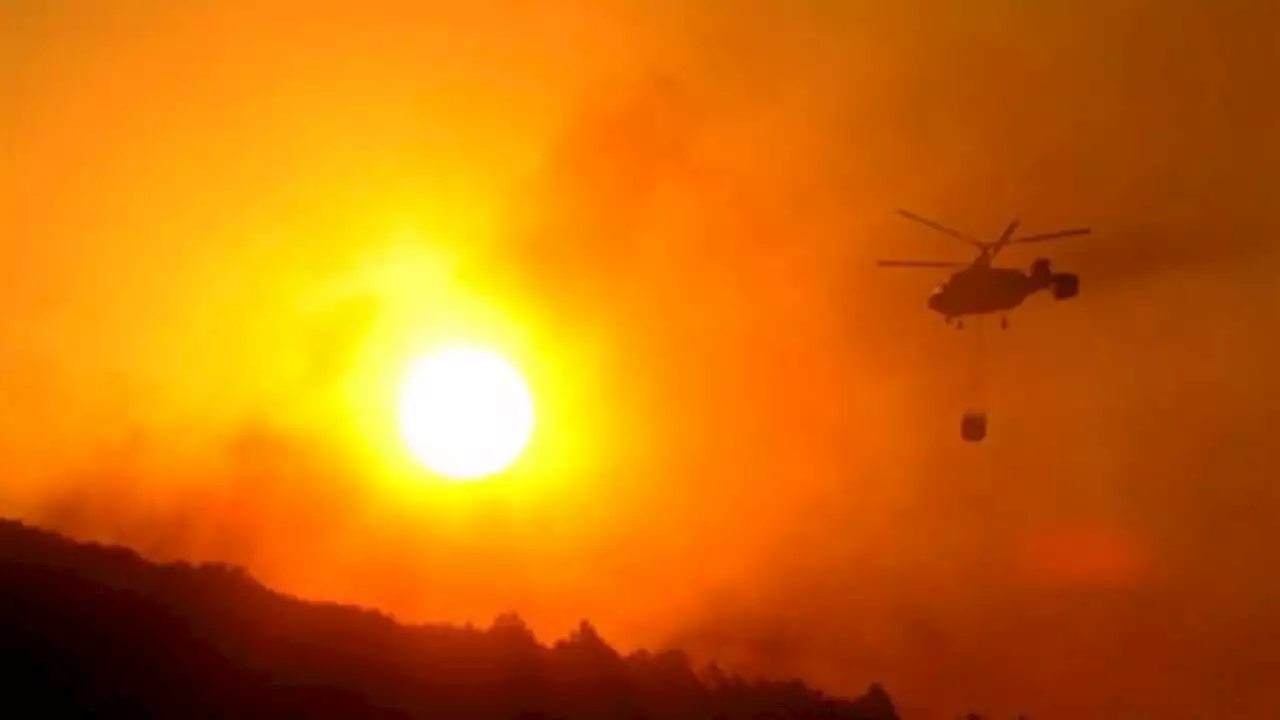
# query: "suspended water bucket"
973 426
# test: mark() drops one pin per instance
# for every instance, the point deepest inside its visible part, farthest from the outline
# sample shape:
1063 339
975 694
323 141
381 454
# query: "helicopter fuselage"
981 289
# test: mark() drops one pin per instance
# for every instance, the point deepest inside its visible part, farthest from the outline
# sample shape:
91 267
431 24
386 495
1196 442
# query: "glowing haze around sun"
466 413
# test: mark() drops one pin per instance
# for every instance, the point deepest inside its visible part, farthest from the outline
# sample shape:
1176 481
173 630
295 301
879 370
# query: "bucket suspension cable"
977 384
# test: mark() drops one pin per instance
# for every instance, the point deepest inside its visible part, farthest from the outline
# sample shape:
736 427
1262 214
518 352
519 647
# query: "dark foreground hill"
94 631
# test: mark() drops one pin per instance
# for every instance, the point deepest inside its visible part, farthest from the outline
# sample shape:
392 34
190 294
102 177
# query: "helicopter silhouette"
980 289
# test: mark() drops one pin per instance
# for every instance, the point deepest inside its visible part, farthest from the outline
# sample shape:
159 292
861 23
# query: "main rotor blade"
1008 233
919 263
939 227
1052 235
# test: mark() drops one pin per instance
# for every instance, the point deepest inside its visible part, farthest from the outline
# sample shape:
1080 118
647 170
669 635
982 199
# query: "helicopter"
980 289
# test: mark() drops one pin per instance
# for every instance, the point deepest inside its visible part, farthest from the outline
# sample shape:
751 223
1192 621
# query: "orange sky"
228 227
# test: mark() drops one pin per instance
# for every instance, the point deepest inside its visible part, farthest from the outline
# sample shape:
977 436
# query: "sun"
466 413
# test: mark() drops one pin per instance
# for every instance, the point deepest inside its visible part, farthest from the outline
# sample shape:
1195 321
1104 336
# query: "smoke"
232 226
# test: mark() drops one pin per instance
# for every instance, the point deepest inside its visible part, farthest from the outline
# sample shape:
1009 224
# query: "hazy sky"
229 227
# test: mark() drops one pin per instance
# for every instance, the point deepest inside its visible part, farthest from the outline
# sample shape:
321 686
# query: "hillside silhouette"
97 631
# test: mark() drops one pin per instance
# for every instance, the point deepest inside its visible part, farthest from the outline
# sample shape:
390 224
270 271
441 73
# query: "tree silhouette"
98 631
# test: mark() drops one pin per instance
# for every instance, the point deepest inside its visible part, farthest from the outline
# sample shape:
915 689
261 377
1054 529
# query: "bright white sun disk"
466 413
